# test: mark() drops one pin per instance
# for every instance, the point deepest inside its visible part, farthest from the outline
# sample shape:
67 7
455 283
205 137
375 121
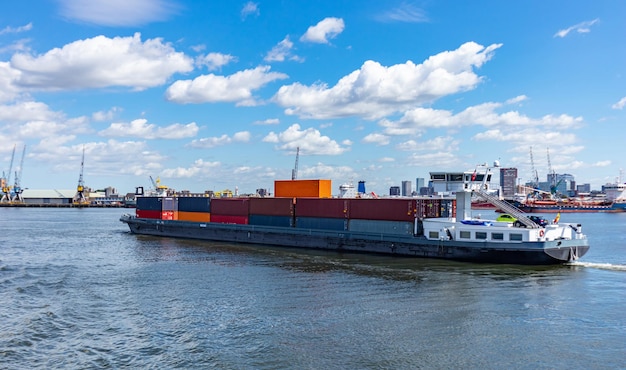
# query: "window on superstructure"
465 235
515 237
481 235
497 236
433 234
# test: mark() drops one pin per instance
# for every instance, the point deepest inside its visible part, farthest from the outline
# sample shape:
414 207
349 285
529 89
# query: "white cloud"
376 138
211 88
327 28
106 116
142 129
8 78
212 142
582 27
7 29
310 141
269 121
620 104
415 121
116 13
250 8
102 62
281 52
214 61
439 143
28 111
199 167
375 91
404 13
324 171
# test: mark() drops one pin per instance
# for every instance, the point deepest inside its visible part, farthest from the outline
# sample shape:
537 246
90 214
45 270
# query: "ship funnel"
361 187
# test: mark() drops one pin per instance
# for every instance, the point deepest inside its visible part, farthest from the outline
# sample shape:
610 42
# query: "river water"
77 290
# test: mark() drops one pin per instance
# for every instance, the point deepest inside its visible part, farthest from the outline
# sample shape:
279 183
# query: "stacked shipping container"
384 216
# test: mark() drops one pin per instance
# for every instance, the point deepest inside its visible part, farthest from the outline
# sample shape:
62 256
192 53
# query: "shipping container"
386 209
229 219
323 207
150 203
169 215
381 227
448 208
302 188
231 206
429 207
143 213
194 204
322 223
170 204
271 206
194 216
265 220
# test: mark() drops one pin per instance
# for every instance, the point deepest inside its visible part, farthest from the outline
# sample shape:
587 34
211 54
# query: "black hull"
527 253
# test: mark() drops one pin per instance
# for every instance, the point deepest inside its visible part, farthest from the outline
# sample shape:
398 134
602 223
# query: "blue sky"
213 95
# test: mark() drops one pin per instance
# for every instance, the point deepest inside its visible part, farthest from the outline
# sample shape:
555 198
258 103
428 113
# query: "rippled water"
79 291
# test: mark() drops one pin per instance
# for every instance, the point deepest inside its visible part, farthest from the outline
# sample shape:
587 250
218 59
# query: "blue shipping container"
194 204
322 223
381 227
265 220
149 203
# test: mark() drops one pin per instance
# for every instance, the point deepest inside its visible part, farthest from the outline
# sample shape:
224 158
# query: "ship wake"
601 266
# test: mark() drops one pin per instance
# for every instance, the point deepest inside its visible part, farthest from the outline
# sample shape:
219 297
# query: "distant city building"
584 188
508 182
394 190
406 188
419 183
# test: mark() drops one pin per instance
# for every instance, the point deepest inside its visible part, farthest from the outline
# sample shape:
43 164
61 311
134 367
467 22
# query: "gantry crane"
6 187
161 190
80 198
17 187
535 179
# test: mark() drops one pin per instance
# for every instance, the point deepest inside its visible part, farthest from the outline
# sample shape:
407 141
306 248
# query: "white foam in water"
603 266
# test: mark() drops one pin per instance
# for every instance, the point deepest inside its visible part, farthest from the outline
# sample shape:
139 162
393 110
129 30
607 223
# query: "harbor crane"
535 179
161 190
17 187
80 198
294 172
6 180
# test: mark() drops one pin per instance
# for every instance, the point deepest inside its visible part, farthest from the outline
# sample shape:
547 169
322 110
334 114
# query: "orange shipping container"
302 188
194 216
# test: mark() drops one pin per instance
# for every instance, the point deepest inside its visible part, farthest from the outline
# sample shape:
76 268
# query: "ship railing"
508 208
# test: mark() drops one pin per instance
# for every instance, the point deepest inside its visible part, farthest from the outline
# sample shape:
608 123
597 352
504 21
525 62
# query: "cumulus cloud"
116 13
214 61
620 104
211 88
269 121
310 141
376 138
404 13
281 52
212 142
582 27
328 28
199 167
325 171
102 62
250 8
415 121
375 91
8 78
142 129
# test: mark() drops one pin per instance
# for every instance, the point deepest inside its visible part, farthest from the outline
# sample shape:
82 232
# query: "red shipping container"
323 207
142 213
229 219
169 215
271 206
231 206
391 209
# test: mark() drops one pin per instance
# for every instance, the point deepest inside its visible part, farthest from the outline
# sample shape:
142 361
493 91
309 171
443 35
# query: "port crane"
17 187
80 198
294 172
6 188
161 190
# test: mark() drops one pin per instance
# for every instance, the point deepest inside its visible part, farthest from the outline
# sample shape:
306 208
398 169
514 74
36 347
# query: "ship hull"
527 253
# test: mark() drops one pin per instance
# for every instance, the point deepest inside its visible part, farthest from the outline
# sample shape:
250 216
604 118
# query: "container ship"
302 214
